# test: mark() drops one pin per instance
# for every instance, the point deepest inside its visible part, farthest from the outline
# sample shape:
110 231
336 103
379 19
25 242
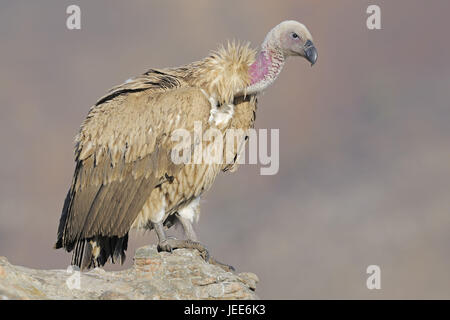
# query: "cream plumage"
124 176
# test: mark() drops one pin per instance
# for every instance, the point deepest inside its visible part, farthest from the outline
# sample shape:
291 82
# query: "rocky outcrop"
182 274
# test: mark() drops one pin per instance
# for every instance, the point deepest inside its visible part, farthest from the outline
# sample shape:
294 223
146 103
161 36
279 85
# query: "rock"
182 274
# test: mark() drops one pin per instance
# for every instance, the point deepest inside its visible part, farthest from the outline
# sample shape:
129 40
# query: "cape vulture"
125 177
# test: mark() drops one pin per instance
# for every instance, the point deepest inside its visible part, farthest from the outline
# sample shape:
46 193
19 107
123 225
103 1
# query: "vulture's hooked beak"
310 52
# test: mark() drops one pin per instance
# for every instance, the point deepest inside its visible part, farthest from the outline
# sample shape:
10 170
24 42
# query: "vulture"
125 177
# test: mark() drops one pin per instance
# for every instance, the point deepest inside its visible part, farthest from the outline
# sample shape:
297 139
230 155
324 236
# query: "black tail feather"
85 256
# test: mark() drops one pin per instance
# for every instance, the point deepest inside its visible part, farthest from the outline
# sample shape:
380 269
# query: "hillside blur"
364 137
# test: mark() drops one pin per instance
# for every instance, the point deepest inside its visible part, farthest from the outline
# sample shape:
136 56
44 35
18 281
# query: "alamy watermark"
73 282
227 148
374 280
73 21
373 21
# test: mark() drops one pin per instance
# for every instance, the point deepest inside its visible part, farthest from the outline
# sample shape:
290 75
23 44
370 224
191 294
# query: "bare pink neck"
260 68
265 69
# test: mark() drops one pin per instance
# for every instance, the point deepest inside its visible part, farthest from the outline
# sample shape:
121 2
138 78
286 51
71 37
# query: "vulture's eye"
294 35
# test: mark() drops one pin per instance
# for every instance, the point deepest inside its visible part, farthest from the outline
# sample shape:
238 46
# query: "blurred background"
364 137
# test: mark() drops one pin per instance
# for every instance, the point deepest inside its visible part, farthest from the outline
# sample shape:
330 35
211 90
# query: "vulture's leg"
163 244
192 237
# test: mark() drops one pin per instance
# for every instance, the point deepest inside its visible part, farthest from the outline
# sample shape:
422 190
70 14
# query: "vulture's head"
289 38
292 38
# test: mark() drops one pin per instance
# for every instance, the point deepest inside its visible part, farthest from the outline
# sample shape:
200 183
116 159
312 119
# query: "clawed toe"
164 246
170 244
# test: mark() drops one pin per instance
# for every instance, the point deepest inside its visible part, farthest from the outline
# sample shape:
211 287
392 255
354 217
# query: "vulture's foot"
164 246
189 244
168 244
174 243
